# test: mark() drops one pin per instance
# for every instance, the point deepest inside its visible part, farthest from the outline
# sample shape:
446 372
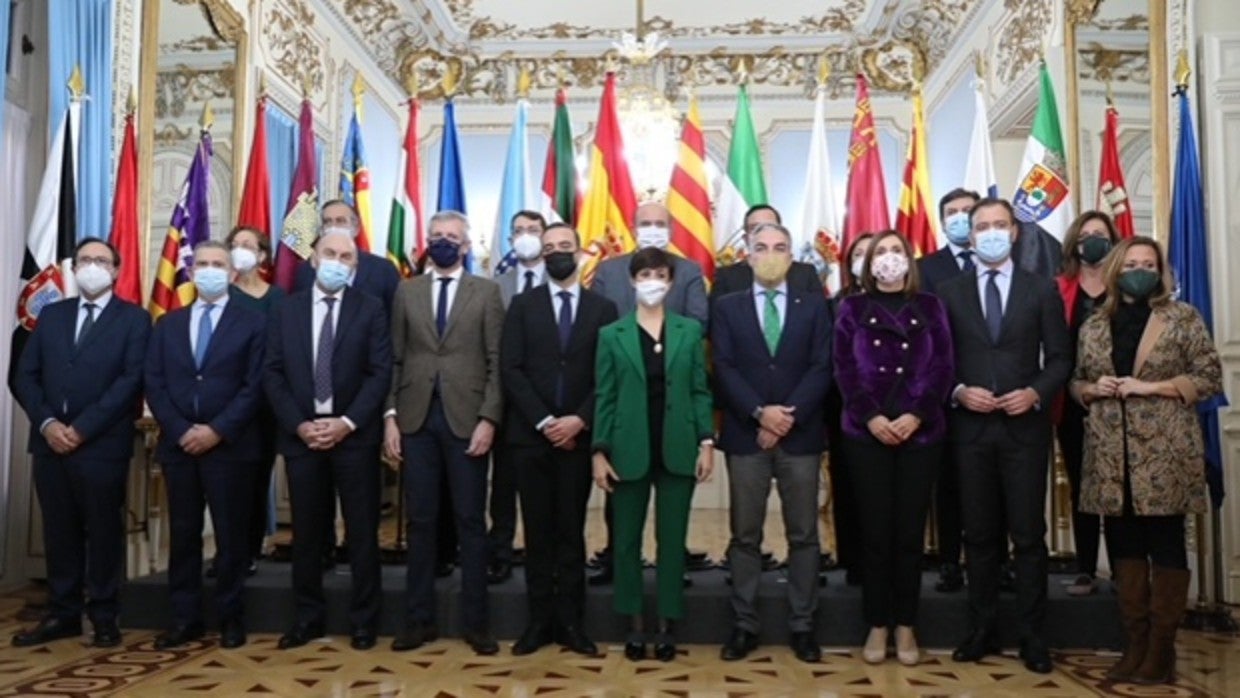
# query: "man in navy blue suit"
204 384
80 382
772 355
327 372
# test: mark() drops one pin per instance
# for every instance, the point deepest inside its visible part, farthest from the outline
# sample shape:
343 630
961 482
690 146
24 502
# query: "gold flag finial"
77 83
359 89
1110 96
411 83
262 85
561 76
824 70
131 102
524 82
1182 70
450 82
208 117
979 64
307 85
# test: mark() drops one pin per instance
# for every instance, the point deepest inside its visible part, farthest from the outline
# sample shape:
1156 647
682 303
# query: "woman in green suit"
652 427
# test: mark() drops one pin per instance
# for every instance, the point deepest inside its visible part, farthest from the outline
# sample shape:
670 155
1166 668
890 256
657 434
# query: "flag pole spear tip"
208 117
306 86
131 102
77 83
449 84
561 76
262 85
359 88
411 84
1110 96
824 70
1182 69
524 82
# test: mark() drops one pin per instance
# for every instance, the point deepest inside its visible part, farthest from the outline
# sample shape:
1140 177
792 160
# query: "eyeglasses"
97 261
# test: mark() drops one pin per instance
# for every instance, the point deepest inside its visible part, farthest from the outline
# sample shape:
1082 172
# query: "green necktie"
770 321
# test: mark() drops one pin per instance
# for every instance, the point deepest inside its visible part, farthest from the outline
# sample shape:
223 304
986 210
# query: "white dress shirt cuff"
544 422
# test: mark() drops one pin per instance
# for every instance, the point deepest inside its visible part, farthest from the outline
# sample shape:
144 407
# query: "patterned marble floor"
1209 666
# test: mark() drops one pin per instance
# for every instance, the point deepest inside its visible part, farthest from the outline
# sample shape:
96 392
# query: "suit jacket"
532 362
739 277
894 364
224 394
510 283
933 269
465 359
96 387
361 368
1037 251
748 376
621 424
687 296
1032 350
375 275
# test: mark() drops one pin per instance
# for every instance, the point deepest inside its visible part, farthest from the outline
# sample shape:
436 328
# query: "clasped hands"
981 400
894 432
63 438
774 424
323 433
1114 386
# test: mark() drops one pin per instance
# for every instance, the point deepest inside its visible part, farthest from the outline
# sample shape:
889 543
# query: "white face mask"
527 247
92 279
652 236
243 259
651 292
858 264
889 267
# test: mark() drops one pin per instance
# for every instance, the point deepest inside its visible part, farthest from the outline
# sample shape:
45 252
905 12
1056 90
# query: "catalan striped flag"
355 177
605 220
190 225
406 241
915 217
688 197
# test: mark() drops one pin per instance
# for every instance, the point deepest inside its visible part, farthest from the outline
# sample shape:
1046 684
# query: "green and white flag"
1042 192
744 184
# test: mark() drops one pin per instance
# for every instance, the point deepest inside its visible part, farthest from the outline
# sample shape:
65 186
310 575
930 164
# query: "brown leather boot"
1132 578
1168 596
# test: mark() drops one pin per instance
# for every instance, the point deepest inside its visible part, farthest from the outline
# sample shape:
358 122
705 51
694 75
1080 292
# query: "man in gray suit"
526 228
653 224
442 412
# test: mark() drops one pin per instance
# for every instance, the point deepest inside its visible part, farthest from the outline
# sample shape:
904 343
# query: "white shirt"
195 317
781 303
1003 280
100 303
956 250
437 285
318 311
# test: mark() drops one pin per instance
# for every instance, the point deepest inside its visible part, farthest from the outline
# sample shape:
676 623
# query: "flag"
516 192
355 178
451 182
1112 192
256 194
561 200
865 209
45 273
1042 190
405 223
1190 260
190 225
301 213
915 216
819 219
688 197
744 185
605 220
124 235
979 167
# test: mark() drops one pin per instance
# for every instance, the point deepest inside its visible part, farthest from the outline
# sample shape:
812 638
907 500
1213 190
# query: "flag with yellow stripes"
688 197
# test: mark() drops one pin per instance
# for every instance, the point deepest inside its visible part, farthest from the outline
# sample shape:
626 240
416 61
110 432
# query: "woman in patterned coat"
1144 362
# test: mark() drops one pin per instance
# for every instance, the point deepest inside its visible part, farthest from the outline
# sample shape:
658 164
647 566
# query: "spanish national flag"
605 220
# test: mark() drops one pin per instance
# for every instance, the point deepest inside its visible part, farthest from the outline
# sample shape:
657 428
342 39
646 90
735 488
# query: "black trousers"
502 506
947 507
843 507
352 474
261 480
554 485
1003 473
83 503
214 483
891 487
1160 539
432 455
1086 528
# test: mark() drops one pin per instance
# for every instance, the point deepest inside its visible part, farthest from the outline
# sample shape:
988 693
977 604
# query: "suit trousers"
673 495
749 485
434 454
83 502
554 485
947 507
891 486
843 508
261 480
191 485
503 504
1004 475
351 472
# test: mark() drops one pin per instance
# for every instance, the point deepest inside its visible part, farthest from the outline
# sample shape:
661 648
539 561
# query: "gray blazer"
510 283
687 297
466 358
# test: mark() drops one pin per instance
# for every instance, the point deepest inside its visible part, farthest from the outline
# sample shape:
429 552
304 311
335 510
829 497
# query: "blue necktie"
566 332
441 310
323 360
204 335
994 305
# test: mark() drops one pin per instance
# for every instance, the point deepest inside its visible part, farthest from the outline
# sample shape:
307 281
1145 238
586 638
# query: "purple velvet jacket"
894 364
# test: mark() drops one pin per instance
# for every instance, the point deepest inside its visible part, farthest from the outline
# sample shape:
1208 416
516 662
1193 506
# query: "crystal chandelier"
648 122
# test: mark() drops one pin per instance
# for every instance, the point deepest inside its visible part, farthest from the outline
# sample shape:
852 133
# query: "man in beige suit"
441 415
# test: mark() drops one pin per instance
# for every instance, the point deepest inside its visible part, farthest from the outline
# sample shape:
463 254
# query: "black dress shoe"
48 629
573 639
951 579
444 569
805 647
635 648
664 647
1035 656
535 637
253 568
739 645
301 634
601 578
599 559
499 572
362 639
413 637
211 572
179 635
482 643
107 634
232 634
976 647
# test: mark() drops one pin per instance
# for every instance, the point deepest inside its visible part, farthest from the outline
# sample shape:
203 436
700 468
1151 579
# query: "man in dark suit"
529 272
739 276
1012 357
204 386
79 380
948 262
549 391
772 356
442 410
327 369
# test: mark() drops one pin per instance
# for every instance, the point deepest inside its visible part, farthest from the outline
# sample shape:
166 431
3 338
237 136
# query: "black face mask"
1093 249
560 265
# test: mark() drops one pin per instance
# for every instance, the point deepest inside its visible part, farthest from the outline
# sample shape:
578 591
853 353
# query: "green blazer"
620 419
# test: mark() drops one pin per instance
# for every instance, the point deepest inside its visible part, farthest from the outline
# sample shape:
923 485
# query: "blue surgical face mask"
956 228
993 246
332 274
211 282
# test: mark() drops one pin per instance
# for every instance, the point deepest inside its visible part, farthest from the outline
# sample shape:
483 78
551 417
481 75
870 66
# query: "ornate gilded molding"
1132 23
170 133
1019 41
177 88
296 54
198 44
1113 65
